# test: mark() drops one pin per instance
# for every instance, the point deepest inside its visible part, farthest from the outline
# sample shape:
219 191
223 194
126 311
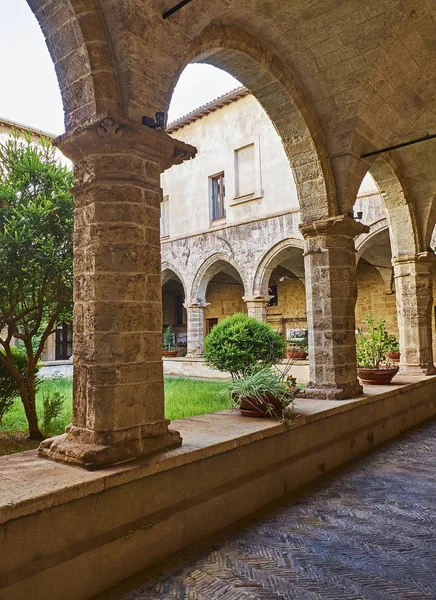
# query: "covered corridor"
366 531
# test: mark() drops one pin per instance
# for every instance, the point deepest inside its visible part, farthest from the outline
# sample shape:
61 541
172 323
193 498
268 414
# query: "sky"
29 90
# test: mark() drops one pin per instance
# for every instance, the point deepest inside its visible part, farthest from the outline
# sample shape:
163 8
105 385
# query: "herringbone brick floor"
365 532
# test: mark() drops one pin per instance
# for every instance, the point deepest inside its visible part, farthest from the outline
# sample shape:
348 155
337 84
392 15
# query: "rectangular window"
217 197
164 217
245 171
64 341
210 324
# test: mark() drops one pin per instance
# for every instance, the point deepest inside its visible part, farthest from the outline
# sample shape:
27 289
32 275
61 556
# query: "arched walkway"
265 75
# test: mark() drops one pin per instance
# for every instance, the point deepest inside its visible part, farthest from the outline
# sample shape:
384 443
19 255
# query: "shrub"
371 347
8 385
239 342
52 403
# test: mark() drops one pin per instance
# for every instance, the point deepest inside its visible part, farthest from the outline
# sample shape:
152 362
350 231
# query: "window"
244 170
210 324
274 299
217 197
164 217
247 169
64 341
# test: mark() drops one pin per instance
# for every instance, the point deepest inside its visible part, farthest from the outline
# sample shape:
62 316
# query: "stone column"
195 329
256 307
118 395
413 277
331 293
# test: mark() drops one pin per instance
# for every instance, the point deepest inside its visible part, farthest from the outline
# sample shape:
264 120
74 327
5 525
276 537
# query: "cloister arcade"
342 82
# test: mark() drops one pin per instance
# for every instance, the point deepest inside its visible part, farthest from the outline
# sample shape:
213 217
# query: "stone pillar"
413 277
256 307
118 395
331 293
195 329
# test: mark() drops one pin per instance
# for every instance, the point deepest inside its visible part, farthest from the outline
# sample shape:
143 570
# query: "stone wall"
224 299
374 297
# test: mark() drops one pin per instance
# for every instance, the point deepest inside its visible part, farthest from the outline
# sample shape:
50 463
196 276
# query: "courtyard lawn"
183 398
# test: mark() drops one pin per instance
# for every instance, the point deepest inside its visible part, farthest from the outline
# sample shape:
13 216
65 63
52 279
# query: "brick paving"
365 532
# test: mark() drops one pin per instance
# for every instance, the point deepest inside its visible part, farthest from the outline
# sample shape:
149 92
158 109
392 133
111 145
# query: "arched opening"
224 295
290 112
375 282
173 310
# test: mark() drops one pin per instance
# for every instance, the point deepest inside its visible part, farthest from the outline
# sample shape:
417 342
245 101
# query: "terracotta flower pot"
298 355
393 355
169 353
251 407
376 376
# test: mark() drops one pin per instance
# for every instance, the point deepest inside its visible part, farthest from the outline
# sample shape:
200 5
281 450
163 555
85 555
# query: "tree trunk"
28 397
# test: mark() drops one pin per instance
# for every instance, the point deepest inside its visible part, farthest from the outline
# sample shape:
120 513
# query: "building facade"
230 230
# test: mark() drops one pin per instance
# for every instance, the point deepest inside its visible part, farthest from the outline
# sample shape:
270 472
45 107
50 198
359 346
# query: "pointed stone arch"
168 269
400 213
79 45
270 261
210 267
277 90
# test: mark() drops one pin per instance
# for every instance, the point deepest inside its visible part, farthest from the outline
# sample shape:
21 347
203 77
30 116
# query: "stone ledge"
68 529
32 484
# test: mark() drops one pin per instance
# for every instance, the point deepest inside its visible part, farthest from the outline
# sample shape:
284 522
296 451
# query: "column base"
331 392
414 370
93 450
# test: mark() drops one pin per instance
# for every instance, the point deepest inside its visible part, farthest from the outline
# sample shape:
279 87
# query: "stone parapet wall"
130 516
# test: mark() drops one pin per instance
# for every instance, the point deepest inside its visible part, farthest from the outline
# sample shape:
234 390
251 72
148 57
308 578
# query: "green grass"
183 398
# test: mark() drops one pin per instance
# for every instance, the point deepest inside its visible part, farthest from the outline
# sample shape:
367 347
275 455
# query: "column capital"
257 299
340 225
420 257
198 304
113 134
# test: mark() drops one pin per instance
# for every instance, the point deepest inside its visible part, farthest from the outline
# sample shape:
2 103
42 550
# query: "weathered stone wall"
224 300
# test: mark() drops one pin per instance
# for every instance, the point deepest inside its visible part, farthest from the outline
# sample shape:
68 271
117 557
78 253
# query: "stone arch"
380 262
277 90
210 267
80 49
365 240
167 270
270 261
400 213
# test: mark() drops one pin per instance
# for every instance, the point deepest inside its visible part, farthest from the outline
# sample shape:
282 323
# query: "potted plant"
394 348
297 349
263 393
371 349
169 350
239 343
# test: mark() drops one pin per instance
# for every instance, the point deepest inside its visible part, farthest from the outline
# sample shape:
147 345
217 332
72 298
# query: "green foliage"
261 385
371 347
8 384
239 342
36 251
393 344
168 339
52 406
300 345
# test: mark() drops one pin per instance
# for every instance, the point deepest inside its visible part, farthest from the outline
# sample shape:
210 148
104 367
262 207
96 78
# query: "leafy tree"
240 343
9 388
36 271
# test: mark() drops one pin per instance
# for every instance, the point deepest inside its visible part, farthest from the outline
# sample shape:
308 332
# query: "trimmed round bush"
239 343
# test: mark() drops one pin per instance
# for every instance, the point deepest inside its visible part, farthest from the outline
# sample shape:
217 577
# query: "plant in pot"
371 349
298 349
247 349
393 351
263 393
169 350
